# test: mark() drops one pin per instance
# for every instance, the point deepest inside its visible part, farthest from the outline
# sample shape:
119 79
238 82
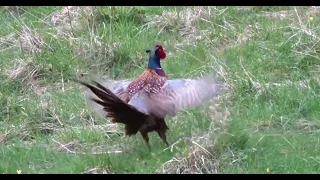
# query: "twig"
73 152
56 116
62 82
245 71
70 22
64 147
171 146
202 148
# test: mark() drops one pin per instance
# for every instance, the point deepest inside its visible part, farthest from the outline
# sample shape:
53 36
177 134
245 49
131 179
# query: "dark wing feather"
120 111
117 87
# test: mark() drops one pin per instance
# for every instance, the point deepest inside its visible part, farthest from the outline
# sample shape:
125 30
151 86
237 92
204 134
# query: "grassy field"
266 120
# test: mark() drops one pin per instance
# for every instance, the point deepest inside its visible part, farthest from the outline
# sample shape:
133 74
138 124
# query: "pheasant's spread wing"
117 87
140 101
176 94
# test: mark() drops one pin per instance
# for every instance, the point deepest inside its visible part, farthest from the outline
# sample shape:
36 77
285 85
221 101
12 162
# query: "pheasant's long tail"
118 110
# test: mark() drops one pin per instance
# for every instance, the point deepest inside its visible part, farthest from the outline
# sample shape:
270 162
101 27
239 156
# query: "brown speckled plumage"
149 80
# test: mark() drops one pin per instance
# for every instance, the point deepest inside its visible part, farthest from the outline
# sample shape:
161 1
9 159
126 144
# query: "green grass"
267 117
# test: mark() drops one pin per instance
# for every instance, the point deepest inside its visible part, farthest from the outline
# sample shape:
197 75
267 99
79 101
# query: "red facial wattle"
161 52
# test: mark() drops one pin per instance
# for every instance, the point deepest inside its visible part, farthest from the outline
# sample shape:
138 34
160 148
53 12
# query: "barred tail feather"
118 87
117 109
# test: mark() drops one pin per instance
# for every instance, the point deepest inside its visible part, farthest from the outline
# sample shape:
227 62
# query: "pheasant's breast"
155 85
149 80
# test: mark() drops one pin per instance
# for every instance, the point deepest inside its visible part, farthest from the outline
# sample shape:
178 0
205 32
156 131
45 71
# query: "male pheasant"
143 103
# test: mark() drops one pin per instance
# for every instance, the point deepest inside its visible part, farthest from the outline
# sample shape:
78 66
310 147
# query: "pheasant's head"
158 52
155 55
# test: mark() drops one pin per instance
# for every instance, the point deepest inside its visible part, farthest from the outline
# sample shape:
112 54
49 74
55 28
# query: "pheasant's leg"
163 136
146 139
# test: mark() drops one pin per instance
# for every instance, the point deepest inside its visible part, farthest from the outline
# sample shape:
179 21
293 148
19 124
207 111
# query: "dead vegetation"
68 19
98 170
94 49
313 10
244 8
42 120
28 40
279 15
263 88
91 47
183 22
200 159
16 9
246 35
27 132
170 20
108 130
28 72
31 41
8 41
306 125
286 14
75 147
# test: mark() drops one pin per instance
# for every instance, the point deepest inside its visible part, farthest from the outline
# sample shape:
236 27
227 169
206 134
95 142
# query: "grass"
266 118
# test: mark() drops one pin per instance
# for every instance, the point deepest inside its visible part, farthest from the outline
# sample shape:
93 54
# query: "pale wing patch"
140 101
180 94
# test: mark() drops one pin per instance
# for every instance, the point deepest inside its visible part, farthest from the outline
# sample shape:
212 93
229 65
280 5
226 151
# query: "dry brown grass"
187 18
285 14
98 170
184 22
307 125
27 39
200 159
279 14
107 128
68 18
31 41
28 73
26 131
94 49
16 9
71 19
8 41
244 8
313 10
76 147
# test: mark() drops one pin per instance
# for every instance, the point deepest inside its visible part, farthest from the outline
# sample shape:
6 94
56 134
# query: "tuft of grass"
266 120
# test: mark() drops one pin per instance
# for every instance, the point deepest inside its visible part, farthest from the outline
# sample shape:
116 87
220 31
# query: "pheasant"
142 104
